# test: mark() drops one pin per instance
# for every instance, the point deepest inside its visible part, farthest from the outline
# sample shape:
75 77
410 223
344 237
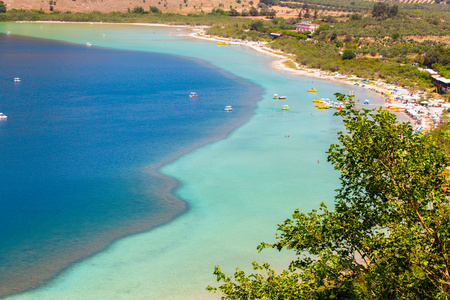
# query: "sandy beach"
396 97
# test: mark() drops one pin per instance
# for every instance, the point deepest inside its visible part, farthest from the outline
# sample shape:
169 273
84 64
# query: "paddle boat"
318 100
193 95
3 116
223 43
275 96
366 101
312 90
285 107
228 108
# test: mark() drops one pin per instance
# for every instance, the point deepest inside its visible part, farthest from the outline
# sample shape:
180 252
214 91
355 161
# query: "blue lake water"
88 130
81 124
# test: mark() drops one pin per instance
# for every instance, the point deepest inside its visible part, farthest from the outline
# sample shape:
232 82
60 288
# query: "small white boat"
285 107
282 97
193 94
228 108
17 79
3 116
88 44
8 33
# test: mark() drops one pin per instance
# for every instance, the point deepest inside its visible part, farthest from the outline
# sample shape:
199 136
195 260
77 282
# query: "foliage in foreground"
388 236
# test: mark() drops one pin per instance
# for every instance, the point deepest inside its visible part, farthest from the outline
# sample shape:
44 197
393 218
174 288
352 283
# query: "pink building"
306 26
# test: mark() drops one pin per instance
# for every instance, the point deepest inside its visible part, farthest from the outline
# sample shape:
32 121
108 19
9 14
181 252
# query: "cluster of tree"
264 11
270 2
348 54
442 70
387 236
382 10
141 10
438 55
2 7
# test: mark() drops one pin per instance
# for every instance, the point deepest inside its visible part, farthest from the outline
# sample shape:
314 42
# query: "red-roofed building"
306 26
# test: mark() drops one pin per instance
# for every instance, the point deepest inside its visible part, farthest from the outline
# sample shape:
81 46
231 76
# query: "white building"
306 26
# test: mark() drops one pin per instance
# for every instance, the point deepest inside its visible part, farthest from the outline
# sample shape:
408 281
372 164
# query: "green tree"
155 10
437 55
233 13
356 17
138 10
380 10
2 7
393 11
253 11
272 13
387 237
256 24
339 44
395 35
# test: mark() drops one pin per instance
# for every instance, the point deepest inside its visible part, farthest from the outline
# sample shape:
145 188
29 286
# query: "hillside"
286 9
175 6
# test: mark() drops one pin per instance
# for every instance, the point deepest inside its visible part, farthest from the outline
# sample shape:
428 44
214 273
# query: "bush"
348 54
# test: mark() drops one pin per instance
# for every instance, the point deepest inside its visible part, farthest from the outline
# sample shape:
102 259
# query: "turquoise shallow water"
237 189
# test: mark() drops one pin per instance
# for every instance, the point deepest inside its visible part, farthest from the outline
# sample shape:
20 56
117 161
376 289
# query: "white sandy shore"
379 86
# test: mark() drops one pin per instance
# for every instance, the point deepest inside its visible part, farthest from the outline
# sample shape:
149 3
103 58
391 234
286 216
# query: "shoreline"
392 94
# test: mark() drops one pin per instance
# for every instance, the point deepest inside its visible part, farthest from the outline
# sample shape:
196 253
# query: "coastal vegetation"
387 44
387 236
